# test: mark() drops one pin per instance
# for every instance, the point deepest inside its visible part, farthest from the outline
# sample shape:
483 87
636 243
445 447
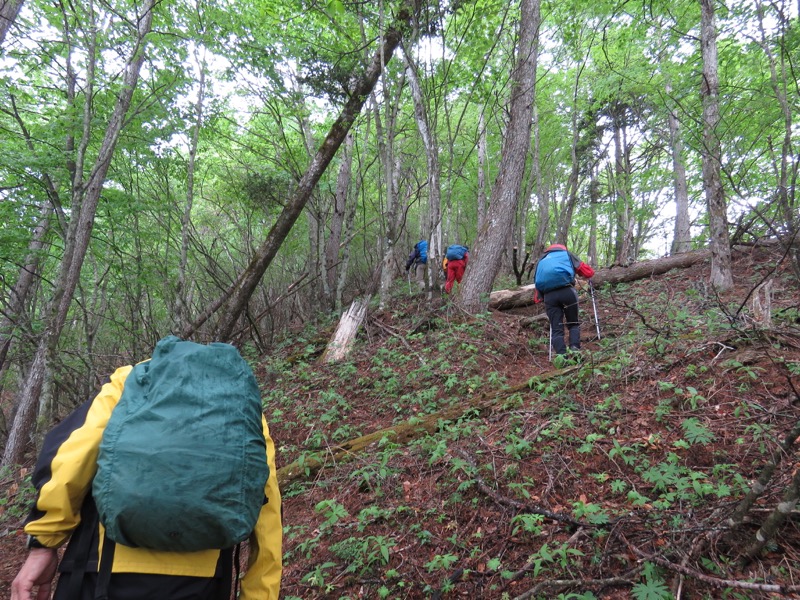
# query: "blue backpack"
422 247
555 270
456 252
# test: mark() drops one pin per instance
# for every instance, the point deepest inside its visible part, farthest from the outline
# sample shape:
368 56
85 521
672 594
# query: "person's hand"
37 572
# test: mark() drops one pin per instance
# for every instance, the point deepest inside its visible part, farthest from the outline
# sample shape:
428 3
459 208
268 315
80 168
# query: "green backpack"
182 464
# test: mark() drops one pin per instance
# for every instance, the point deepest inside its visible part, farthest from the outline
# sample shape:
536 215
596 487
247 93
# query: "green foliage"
362 554
16 503
696 432
653 587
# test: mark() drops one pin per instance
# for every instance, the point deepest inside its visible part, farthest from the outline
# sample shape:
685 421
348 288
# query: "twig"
579 583
399 337
712 581
522 506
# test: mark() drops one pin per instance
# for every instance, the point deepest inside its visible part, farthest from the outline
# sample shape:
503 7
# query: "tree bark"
682 237
481 170
180 312
337 222
719 243
342 340
488 248
432 160
9 9
235 299
542 199
571 199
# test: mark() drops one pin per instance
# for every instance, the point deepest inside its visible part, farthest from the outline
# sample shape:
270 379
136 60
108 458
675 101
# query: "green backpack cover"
182 464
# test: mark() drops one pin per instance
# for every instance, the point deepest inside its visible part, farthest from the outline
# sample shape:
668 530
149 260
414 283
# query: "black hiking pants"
139 586
560 304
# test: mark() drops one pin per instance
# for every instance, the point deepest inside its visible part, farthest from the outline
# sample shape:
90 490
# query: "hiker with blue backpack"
457 257
555 285
418 257
156 482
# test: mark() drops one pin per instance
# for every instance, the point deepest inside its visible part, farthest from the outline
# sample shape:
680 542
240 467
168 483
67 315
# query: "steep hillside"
497 475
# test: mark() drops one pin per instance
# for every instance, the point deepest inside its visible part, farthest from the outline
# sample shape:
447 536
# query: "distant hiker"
197 441
555 284
418 256
457 257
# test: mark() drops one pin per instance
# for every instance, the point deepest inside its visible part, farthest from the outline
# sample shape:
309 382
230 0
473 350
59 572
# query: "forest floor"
613 478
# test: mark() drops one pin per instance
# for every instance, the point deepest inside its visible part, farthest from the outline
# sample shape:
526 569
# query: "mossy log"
412 429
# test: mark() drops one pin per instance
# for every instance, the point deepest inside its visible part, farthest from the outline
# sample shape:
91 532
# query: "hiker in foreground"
555 284
161 475
457 257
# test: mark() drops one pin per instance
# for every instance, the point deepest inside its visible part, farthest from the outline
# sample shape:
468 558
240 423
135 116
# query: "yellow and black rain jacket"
63 478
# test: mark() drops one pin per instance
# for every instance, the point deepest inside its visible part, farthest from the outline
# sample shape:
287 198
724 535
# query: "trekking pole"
408 274
594 305
550 345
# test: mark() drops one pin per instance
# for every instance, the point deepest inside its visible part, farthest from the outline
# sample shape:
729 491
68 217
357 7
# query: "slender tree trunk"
180 312
28 275
787 171
350 214
488 248
571 199
542 200
337 221
682 238
594 200
9 9
432 158
721 276
78 236
625 220
235 299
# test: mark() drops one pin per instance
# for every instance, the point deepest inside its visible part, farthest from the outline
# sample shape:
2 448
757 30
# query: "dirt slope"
612 481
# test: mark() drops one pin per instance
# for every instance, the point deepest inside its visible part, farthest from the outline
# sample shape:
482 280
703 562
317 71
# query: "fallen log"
515 298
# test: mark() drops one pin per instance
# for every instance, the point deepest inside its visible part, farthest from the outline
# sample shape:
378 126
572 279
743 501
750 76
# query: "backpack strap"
80 547
104 569
230 569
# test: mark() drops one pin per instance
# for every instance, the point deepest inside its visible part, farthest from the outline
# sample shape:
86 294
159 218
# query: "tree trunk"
235 299
481 170
571 199
9 9
719 243
625 221
433 226
87 194
682 238
542 199
786 191
180 311
391 162
342 341
337 222
491 240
